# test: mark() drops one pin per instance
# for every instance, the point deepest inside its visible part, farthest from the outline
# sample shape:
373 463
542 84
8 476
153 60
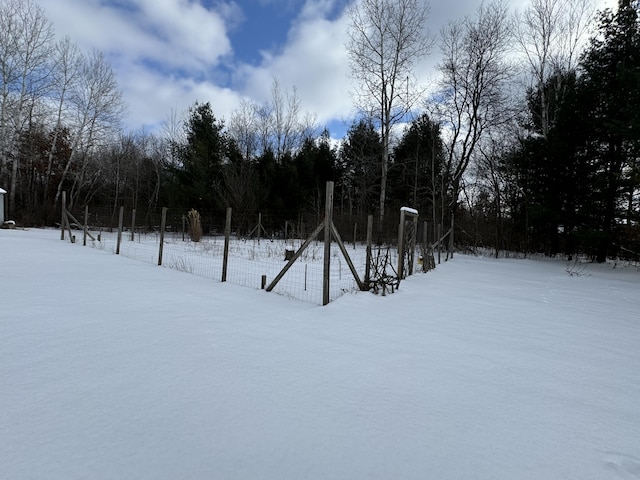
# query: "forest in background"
529 143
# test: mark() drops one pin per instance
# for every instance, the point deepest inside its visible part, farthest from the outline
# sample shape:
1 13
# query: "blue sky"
169 53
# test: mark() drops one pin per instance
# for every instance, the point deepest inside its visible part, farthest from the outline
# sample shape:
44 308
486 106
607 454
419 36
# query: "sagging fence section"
307 268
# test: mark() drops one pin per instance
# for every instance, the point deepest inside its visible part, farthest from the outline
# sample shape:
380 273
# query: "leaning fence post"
328 220
120 220
163 224
227 234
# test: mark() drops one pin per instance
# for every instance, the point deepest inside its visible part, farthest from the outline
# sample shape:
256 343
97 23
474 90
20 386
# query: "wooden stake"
63 217
163 226
133 224
367 271
120 221
86 228
355 231
227 234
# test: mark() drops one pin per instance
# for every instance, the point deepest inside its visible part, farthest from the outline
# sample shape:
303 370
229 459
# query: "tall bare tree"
277 125
66 73
386 39
97 108
549 34
26 37
242 128
473 93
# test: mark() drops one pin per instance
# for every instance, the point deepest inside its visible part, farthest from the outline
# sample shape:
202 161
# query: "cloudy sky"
170 53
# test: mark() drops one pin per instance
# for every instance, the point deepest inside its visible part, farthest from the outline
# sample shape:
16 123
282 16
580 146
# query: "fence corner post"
328 220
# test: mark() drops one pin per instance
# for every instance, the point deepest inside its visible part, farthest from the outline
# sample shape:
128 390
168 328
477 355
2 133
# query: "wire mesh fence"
259 247
251 262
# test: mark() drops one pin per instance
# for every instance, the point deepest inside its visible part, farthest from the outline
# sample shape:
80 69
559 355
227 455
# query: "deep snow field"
112 368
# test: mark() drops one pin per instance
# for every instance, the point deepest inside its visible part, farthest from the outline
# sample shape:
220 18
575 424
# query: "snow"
112 368
409 210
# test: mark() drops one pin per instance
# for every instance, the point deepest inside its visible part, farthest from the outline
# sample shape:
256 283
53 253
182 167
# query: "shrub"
195 226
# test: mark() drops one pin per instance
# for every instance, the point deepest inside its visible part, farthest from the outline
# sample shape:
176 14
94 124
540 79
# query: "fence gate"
407 233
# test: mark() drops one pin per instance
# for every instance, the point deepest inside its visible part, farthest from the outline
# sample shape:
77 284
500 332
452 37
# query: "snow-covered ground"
111 368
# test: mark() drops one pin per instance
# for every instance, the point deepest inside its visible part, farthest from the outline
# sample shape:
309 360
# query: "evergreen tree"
360 159
417 165
198 177
611 83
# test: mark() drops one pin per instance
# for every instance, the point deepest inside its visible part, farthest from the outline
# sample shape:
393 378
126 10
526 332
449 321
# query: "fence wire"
256 250
248 261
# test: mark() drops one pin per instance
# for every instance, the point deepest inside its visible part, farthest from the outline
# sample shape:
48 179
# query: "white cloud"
314 61
169 53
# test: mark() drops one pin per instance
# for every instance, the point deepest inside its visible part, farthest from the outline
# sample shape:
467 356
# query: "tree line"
528 142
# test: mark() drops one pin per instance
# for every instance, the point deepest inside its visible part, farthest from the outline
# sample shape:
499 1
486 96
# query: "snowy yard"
112 368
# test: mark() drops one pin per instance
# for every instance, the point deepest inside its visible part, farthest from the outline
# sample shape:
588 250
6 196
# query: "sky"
170 53
484 369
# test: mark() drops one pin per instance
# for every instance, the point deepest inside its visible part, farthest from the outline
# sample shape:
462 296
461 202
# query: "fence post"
439 241
163 226
86 225
328 219
64 211
355 232
227 234
367 268
401 247
133 224
120 220
451 238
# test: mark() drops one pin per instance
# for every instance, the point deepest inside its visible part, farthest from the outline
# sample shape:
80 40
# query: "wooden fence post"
227 234
133 224
120 221
451 238
439 236
64 214
367 268
163 226
86 225
328 220
355 231
401 247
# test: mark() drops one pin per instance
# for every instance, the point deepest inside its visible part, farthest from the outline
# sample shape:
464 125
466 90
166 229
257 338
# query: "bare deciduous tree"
277 125
97 107
66 70
242 128
386 39
473 96
549 34
26 37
